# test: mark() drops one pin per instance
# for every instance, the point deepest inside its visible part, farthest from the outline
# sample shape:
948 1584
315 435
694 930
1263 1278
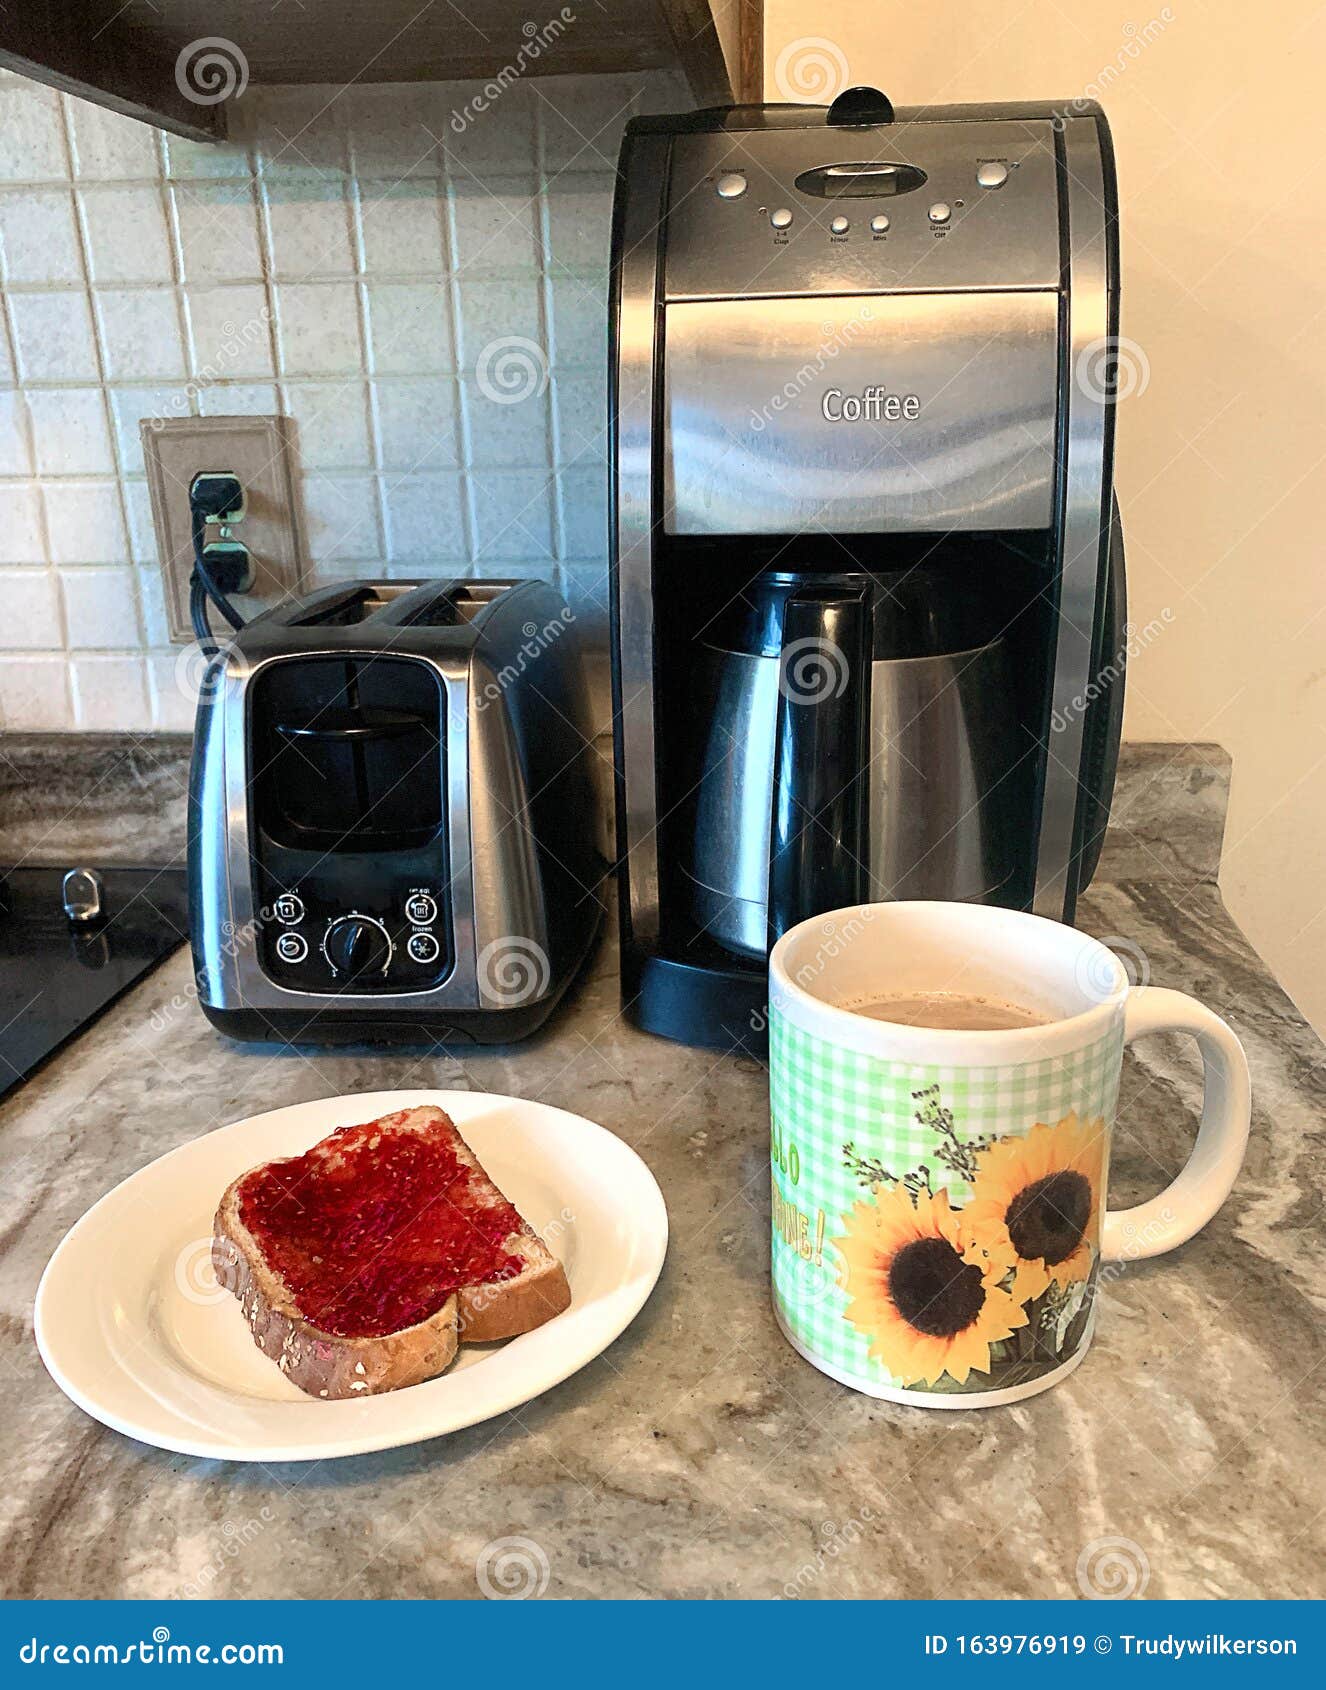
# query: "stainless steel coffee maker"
867 573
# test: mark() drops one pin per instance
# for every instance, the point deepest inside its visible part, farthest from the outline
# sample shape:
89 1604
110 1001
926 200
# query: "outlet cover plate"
257 450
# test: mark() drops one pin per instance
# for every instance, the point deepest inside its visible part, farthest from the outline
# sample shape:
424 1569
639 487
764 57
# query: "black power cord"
213 497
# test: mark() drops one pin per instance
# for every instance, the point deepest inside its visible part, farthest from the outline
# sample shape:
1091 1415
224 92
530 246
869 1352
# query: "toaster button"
288 909
420 910
292 947
423 947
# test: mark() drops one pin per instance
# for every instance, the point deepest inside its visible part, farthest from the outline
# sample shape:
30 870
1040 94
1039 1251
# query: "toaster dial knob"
357 947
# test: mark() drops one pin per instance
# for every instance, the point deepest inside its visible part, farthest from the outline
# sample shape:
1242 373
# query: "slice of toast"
361 1264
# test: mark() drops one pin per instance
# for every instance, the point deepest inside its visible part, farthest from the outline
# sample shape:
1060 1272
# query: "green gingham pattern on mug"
824 1097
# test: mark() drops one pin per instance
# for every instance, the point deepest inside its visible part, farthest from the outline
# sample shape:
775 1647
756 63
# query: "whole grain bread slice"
331 1365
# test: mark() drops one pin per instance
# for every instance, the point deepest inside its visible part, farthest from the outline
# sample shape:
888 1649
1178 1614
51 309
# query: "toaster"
392 825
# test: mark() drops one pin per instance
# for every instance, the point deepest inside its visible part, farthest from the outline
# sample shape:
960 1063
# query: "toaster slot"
349 753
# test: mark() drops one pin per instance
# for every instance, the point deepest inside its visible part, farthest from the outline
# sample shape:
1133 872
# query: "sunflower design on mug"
1037 1202
921 1288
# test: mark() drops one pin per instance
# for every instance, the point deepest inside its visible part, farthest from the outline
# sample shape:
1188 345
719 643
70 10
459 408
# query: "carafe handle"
817 848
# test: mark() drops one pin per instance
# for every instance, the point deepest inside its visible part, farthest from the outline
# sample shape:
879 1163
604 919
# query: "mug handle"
1188 1203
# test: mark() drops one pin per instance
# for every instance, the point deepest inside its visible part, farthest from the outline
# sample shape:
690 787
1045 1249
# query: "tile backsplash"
422 290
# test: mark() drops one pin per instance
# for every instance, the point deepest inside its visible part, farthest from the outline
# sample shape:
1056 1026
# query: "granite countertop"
699 1455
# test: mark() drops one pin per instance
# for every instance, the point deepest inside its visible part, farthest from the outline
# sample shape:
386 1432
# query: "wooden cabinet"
178 63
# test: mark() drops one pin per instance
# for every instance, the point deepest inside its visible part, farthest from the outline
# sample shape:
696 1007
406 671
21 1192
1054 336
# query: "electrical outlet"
256 449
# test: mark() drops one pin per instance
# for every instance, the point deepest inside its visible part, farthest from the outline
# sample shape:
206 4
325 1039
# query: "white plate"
132 1325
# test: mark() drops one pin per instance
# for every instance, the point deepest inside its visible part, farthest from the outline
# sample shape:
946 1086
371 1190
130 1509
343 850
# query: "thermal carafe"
915 749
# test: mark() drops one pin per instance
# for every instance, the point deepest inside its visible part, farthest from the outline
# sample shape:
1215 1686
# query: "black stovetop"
57 976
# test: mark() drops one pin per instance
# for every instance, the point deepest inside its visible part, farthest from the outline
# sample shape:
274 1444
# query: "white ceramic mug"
939 1219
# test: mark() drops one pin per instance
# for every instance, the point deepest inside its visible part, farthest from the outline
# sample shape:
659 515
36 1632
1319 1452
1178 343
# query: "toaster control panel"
383 944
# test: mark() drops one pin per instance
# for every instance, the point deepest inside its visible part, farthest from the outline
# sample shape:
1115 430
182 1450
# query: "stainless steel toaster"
392 830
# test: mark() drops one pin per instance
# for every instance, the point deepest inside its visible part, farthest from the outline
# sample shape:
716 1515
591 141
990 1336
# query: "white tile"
496 226
309 225
409 328
84 522
492 310
403 227
584 586
31 607
20 524
140 333
6 362
579 225
152 605
69 431
424 519
15 455
101 609
481 135
131 407
393 131
30 122
509 431
110 693
513 515
341 517
331 423
54 336
197 160
418 423
579 320
110 147
239 399
126 234
142 535
171 676
299 133
580 402
39 237
318 329
218 231
584 514
34 695
230 331
581 119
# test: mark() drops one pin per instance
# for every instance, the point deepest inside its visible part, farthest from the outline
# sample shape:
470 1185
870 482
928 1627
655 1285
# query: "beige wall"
1222 457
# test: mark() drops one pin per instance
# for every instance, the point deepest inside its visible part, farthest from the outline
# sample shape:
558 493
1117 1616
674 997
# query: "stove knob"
82 893
357 947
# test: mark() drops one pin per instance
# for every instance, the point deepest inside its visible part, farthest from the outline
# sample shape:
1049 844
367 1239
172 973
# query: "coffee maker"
866 565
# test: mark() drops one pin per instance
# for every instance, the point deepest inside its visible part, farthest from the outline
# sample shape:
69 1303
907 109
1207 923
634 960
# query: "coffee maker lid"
917 611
